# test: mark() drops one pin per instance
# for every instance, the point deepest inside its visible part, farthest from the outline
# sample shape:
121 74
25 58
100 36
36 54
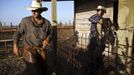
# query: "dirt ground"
11 65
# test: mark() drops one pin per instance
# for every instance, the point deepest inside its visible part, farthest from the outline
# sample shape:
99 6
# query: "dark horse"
105 35
109 31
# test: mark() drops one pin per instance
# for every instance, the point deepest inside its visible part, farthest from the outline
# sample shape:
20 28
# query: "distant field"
64 33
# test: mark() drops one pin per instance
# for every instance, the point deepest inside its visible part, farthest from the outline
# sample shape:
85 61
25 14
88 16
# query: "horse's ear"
116 26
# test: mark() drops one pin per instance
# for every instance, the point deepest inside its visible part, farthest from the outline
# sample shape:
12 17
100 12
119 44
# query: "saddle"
34 53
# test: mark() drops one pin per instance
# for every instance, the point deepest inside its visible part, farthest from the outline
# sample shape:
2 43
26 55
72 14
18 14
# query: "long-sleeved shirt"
94 20
33 34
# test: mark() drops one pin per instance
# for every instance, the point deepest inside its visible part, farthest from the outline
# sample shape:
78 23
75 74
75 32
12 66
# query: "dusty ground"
11 65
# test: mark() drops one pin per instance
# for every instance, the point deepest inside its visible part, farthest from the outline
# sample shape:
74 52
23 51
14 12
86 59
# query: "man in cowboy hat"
35 30
96 18
95 44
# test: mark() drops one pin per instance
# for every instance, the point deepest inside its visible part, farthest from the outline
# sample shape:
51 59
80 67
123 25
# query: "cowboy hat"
36 5
101 8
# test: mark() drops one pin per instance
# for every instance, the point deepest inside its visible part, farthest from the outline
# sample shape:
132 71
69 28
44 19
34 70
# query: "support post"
54 33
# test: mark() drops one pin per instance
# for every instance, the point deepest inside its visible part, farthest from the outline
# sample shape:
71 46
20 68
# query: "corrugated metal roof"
59 0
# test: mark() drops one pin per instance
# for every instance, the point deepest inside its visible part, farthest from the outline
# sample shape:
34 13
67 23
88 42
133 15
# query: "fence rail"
75 52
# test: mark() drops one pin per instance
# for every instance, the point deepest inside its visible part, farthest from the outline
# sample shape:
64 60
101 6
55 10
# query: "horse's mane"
106 23
107 29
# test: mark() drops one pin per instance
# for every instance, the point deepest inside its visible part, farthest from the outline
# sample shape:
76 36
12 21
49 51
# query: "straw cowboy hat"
36 5
101 8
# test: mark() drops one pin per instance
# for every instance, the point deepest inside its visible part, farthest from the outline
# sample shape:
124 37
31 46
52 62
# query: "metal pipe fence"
6 47
75 52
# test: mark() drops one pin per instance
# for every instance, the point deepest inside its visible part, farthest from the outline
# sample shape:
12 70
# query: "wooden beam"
54 12
54 33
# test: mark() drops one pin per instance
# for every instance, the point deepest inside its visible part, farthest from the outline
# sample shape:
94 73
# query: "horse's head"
109 30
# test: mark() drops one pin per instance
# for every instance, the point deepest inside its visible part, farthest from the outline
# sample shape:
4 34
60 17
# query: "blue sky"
14 10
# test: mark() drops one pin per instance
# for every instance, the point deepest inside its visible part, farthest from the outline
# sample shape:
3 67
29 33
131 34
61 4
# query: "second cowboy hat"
36 5
101 8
